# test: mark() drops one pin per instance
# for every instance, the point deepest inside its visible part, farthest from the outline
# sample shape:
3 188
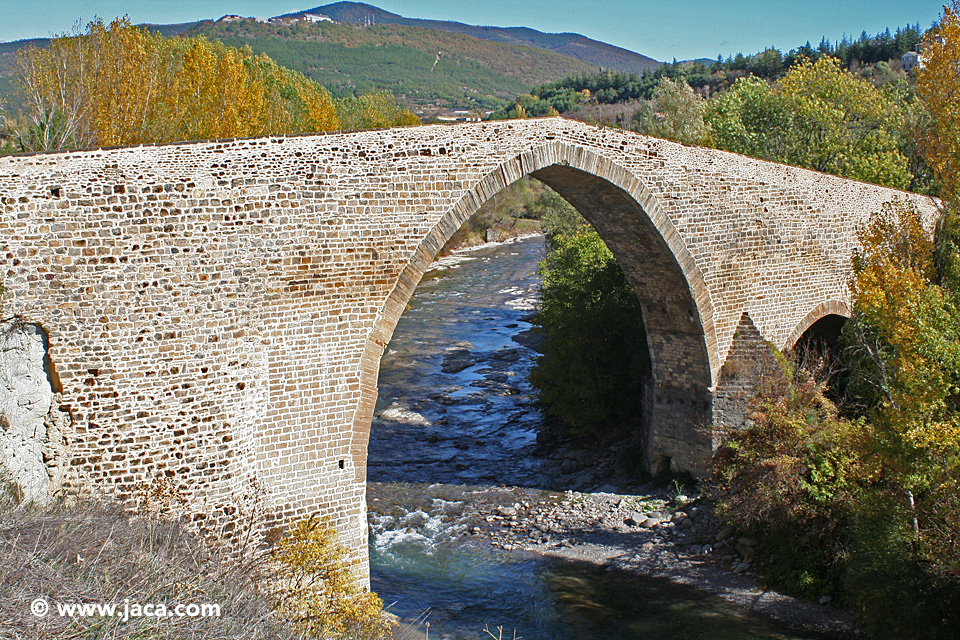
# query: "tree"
594 357
372 111
676 113
938 83
817 116
119 84
903 352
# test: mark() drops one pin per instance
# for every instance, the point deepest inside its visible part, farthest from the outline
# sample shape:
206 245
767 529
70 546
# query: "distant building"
305 17
457 114
230 18
909 60
315 17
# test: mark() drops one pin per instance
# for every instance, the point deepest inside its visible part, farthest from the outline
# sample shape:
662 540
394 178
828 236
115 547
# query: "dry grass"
98 553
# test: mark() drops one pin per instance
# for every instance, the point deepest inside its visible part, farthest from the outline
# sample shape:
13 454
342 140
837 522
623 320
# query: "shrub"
788 479
316 589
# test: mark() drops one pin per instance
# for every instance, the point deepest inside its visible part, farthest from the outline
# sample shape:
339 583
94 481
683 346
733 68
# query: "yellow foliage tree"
119 84
938 83
316 589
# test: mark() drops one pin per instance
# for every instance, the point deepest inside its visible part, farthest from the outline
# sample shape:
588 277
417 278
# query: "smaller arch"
818 313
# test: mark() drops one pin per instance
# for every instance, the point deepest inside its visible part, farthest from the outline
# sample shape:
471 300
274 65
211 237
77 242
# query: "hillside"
573 45
401 59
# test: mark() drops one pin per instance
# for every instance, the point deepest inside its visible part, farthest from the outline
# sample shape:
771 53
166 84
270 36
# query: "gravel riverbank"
648 534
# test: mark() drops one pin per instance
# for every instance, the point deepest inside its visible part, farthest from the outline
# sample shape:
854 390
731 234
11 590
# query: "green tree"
676 113
818 116
377 110
594 359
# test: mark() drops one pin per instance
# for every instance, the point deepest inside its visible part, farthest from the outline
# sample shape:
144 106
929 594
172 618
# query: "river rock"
456 359
748 552
507 355
649 523
403 415
507 511
532 338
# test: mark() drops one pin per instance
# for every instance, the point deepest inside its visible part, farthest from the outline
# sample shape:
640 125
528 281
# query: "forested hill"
351 59
569 44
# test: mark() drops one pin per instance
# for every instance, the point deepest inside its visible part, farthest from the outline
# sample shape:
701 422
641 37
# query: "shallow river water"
453 437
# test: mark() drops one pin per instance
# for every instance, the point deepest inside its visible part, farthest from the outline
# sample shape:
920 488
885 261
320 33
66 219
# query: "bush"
316 589
789 478
594 358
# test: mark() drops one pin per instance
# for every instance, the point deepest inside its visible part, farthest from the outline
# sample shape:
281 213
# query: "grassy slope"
97 553
351 59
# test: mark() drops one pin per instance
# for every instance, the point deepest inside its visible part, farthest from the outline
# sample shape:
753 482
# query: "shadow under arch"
676 307
820 313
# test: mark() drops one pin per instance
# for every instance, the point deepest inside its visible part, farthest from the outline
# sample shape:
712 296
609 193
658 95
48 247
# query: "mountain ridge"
573 45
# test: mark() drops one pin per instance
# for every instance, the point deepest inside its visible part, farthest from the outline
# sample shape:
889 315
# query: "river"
453 441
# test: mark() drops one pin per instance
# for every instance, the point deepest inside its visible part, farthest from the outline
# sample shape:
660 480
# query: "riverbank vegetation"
118 84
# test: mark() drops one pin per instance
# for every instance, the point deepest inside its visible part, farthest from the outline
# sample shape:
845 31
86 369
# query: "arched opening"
823 334
435 433
675 304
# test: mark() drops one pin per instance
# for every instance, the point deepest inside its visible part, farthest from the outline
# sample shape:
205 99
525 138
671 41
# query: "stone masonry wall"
216 311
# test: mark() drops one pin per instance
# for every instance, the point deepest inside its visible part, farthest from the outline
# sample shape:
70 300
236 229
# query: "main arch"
215 311
676 306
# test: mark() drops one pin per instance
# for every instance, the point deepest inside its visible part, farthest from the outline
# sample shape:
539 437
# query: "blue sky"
662 29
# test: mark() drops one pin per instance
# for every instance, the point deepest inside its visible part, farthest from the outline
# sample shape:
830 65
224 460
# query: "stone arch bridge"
215 312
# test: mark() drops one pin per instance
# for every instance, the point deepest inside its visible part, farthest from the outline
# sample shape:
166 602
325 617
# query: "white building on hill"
910 60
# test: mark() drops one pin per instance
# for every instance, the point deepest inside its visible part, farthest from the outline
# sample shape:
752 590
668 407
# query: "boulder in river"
456 359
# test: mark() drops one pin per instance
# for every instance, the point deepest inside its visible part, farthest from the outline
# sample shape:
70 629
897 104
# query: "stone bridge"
214 312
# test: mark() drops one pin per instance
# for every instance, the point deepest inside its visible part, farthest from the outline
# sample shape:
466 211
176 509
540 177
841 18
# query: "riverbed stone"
456 359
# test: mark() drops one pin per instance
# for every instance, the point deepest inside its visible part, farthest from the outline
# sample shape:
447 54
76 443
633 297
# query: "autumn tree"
938 83
119 84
